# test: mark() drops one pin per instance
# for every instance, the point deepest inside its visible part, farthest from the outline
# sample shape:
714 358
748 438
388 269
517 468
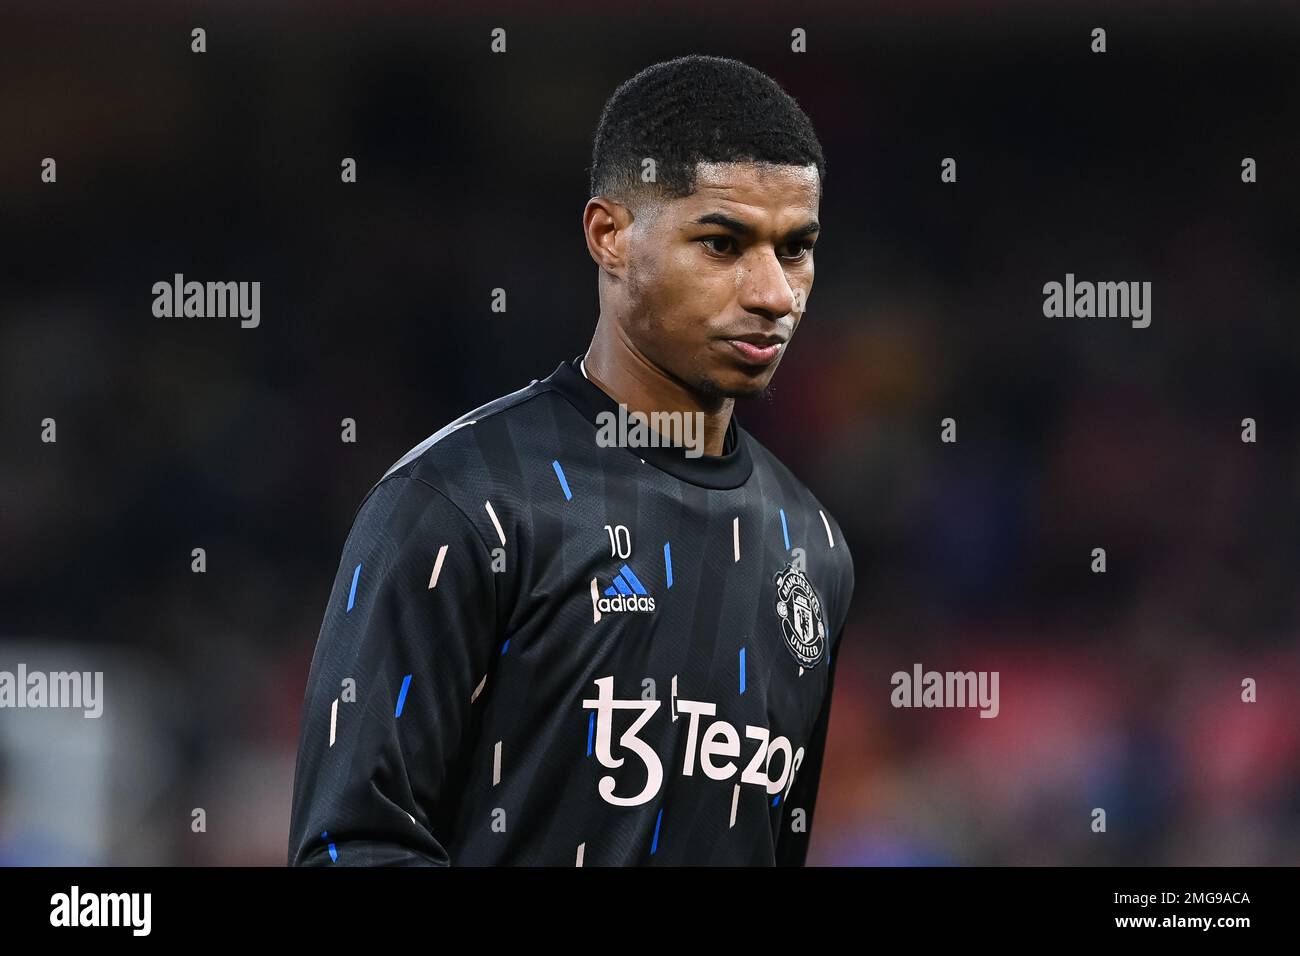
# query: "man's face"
718 280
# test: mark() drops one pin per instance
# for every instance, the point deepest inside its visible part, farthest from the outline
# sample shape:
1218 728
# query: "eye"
727 243
800 250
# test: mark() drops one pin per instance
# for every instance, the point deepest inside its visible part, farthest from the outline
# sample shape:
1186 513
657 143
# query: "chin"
738 384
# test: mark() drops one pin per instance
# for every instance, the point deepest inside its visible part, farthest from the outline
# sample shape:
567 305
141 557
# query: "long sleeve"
406 642
792 844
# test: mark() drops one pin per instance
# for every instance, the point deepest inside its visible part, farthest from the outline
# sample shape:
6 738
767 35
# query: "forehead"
769 188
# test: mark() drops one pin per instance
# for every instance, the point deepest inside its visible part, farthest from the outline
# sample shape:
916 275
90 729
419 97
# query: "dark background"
1118 690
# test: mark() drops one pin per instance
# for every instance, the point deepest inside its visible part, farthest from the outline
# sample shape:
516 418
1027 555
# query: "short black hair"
691 110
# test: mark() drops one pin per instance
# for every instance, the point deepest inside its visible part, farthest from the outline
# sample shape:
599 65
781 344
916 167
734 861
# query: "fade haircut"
691 110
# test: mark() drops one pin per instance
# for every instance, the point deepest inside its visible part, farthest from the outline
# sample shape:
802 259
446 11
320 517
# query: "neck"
616 366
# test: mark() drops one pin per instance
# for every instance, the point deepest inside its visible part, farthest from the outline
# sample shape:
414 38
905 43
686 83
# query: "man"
557 638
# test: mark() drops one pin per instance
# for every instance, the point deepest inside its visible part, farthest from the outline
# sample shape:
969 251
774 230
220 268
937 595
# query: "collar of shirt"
731 469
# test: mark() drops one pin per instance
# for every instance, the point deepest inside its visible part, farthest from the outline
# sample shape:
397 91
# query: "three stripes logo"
625 594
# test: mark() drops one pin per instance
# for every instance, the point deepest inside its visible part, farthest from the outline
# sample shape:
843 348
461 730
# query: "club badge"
800 612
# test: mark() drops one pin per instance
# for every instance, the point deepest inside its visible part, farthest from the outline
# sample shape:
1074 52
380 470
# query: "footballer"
546 647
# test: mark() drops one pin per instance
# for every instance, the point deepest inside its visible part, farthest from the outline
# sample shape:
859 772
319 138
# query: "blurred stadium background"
1119 690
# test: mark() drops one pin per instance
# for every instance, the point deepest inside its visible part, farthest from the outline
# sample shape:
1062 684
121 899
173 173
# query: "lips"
756 349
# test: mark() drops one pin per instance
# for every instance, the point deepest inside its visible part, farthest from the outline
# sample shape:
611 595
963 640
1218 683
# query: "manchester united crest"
800 611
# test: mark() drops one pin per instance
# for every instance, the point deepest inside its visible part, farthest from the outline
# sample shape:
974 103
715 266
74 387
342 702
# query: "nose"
763 288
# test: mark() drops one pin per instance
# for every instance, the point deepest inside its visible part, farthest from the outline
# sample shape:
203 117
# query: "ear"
605 223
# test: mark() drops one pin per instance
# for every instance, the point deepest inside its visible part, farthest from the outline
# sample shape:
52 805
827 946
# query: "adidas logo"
626 594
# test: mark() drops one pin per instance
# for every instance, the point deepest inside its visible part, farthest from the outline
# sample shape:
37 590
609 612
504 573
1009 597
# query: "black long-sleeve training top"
544 649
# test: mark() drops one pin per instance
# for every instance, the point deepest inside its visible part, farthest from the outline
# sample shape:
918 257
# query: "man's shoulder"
448 447
456 460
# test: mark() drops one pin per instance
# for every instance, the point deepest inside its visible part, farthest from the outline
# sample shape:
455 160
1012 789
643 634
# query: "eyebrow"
740 228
